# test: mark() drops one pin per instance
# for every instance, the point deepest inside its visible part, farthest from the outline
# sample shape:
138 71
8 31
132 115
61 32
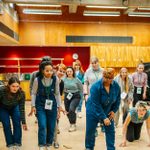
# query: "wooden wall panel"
121 56
32 34
54 34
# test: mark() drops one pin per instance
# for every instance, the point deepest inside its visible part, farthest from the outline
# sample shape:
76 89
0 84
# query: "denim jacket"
101 103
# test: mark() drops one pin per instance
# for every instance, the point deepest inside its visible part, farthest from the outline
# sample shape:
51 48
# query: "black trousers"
137 97
133 131
71 105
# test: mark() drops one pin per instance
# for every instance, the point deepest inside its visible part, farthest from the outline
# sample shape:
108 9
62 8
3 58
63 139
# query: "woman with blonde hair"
126 86
134 121
80 75
78 64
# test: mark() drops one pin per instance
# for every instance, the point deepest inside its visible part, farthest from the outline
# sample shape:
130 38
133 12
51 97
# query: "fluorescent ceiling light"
139 14
101 13
42 11
109 7
38 5
143 8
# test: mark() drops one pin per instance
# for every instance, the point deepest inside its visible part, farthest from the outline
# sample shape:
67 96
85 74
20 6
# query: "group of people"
108 96
105 95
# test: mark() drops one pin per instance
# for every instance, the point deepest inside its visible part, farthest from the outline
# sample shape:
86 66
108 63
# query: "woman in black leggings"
133 123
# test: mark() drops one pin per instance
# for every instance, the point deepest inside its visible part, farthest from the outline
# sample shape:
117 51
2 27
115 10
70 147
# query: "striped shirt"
134 116
139 79
14 99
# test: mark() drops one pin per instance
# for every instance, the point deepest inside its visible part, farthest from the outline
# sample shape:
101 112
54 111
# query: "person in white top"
126 86
92 74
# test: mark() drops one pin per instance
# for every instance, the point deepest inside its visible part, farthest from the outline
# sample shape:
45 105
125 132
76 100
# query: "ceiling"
73 10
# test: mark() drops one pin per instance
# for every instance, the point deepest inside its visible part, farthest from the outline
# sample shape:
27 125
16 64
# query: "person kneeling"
133 123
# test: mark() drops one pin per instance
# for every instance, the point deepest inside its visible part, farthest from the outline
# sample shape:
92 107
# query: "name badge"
123 95
48 104
69 96
139 90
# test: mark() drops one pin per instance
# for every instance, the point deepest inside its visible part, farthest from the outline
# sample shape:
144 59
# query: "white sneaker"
56 145
17 148
42 148
72 128
11 148
48 148
79 115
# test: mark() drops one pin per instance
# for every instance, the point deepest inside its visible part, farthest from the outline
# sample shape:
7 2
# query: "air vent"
99 39
8 31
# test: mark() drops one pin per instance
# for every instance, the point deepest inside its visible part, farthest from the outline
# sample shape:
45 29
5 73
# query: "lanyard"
96 75
47 89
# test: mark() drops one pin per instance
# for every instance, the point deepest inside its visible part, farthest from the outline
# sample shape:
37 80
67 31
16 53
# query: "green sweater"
72 85
8 101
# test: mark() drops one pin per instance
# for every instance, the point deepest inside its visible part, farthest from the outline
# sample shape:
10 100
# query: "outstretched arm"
124 132
148 129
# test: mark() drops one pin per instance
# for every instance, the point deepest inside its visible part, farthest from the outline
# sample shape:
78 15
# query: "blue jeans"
79 108
91 124
12 138
46 126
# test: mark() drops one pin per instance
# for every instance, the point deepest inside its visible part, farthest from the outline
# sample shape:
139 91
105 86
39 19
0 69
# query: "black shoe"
56 145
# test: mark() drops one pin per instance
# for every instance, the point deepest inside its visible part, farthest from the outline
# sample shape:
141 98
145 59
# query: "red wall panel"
38 52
